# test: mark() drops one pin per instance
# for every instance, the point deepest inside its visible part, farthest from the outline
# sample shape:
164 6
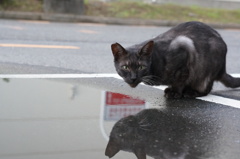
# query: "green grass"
126 9
161 12
21 5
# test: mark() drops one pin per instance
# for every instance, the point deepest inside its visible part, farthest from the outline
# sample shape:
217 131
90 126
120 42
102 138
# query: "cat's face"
132 64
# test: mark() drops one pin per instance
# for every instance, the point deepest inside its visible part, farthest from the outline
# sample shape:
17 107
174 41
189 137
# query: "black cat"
188 58
161 135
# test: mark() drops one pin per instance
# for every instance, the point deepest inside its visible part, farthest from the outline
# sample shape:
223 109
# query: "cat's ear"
147 49
118 50
112 148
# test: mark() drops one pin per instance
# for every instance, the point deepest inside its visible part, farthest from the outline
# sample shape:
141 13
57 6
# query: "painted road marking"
39 46
210 98
16 27
89 31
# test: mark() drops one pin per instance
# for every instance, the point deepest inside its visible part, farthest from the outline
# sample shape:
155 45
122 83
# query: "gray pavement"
93 40
94 54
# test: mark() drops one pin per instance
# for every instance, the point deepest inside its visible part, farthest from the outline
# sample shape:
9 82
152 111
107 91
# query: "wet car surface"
73 118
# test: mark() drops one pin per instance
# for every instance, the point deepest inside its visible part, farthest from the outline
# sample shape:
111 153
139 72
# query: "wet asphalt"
64 118
188 128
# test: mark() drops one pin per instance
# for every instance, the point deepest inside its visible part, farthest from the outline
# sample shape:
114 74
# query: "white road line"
236 75
221 100
209 98
215 99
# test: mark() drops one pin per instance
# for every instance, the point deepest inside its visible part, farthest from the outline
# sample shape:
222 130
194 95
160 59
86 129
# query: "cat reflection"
157 134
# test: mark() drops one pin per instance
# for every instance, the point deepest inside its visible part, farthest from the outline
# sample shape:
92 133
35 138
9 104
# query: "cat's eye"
142 67
125 67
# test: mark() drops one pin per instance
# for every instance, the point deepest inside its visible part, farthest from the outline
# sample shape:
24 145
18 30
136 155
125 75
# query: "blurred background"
214 11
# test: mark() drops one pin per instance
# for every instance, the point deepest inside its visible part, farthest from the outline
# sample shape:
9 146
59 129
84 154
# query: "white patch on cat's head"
182 41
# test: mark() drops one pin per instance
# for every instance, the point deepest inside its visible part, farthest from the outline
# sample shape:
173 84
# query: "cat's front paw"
190 93
172 93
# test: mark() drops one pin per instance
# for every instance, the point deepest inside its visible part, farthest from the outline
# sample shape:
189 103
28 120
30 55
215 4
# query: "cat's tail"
230 81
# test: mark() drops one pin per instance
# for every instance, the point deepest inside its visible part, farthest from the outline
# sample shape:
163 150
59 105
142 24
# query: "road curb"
96 19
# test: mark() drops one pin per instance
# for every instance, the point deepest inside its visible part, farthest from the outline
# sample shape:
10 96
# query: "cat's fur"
188 58
160 135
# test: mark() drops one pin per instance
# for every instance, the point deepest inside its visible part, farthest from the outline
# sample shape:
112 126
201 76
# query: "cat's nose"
133 80
133 83
133 77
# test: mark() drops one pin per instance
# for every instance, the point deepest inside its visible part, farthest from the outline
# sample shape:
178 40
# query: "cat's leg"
173 92
189 92
176 72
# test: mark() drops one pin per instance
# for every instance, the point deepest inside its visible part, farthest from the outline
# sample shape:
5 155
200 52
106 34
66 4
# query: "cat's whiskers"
142 121
151 80
144 125
146 129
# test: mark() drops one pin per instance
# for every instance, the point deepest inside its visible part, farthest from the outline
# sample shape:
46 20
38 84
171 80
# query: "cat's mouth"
134 84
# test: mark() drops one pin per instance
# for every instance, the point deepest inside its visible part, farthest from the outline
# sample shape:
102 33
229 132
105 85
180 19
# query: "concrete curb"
95 19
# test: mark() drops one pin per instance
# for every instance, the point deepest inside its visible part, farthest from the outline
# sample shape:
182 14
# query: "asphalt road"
49 47
39 47
92 41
